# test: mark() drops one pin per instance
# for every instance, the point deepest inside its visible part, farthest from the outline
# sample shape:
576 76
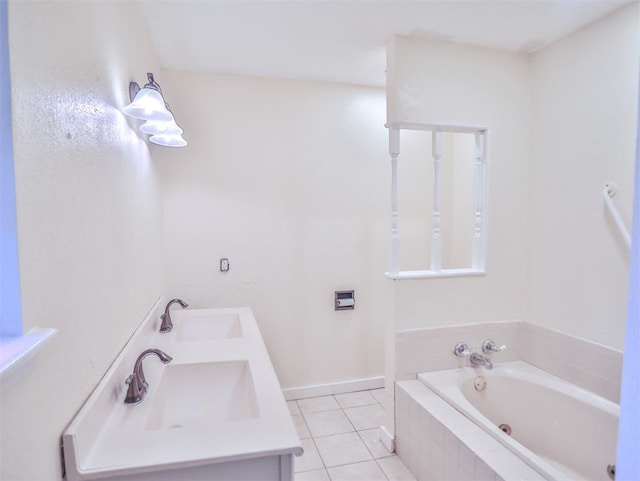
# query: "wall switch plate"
224 265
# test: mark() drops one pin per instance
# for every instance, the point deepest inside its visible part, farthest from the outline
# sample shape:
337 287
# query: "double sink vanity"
206 406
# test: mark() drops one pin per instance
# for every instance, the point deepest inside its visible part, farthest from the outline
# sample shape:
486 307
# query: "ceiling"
344 40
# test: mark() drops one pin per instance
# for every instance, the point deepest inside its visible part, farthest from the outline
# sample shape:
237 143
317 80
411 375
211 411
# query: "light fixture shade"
156 127
168 140
148 104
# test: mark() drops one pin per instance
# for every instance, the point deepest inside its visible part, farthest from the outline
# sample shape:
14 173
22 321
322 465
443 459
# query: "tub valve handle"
461 349
490 346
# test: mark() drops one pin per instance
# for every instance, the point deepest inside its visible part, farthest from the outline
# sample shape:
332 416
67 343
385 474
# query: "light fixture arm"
134 88
152 84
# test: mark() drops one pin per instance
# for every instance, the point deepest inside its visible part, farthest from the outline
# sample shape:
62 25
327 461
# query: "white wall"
443 82
563 123
89 213
438 82
289 180
581 121
415 198
585 90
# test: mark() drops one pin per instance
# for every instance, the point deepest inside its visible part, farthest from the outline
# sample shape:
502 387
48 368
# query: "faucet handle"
461 349
135 391
490 346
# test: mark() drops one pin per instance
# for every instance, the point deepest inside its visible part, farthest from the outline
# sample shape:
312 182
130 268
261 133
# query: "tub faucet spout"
478 359
167 324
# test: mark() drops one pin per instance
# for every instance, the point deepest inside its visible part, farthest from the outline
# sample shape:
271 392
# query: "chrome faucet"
489 346
461 349
167 324
137 382
477 359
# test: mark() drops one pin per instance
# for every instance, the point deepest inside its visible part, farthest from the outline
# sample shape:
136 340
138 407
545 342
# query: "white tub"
562 431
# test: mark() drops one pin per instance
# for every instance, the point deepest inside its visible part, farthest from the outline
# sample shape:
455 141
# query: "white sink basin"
211 392
215 412
206 325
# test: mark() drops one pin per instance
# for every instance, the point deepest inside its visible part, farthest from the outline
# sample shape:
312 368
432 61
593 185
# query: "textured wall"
438 82
89 213
442 82
585 91
289 180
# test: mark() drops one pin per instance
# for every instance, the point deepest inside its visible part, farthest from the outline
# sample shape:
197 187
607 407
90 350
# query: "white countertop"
110 437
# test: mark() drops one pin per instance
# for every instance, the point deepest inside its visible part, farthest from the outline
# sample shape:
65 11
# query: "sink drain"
611 471
505 428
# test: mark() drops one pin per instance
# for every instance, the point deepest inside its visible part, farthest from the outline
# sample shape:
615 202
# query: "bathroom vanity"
214 412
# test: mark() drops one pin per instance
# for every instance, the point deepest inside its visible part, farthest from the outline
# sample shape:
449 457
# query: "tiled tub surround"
437 442
557 428
159 439
591 366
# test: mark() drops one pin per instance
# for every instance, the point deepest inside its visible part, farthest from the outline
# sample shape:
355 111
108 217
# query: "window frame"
480 196
16 347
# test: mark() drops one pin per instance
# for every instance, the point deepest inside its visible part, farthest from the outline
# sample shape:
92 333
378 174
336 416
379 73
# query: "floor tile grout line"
383 471
373 456
361 439
365 444
361 462
358 432
304 420
324 465
348 419
339 406
354 430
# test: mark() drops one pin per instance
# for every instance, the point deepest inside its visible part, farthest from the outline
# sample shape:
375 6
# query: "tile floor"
340 437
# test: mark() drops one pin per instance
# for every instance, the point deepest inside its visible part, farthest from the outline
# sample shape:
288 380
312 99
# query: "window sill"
19 352
433 274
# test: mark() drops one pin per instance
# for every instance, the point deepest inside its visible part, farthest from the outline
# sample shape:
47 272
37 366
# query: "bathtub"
560 430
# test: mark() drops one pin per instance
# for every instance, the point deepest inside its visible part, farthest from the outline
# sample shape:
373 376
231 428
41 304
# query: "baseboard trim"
333 388
387 440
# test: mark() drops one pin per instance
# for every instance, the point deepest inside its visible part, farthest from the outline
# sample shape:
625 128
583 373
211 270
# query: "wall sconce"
147 103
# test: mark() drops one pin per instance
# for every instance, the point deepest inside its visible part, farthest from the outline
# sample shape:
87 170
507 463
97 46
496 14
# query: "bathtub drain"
505 428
